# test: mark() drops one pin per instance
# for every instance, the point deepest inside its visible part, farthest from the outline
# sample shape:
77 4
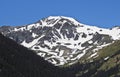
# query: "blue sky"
102 13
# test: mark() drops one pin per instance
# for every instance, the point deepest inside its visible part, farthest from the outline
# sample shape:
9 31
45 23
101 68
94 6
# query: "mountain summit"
62 40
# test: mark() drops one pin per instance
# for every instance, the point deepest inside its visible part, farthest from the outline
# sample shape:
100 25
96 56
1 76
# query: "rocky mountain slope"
18 61
62 40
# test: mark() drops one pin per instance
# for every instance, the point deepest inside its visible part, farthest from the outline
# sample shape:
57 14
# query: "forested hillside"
18 61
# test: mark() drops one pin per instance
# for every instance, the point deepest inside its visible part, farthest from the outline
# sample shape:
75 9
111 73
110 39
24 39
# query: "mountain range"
83 50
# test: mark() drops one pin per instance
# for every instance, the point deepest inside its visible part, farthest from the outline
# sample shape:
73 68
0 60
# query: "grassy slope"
101 67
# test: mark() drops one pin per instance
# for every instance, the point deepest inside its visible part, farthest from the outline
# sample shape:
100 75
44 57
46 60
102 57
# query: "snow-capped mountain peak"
61 39
52 20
